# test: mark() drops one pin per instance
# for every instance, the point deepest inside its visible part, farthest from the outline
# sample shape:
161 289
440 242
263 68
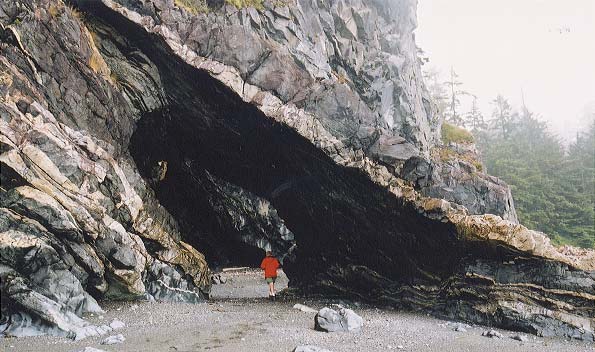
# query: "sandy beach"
240 318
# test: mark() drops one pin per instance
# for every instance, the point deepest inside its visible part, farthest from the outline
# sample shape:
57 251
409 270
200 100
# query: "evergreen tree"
452 112
579 188
436 89
553 189
502 116
474 118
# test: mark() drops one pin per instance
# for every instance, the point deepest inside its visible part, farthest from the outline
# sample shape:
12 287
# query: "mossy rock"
454 134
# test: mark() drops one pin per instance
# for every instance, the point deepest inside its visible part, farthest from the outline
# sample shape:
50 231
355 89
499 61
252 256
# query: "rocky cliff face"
454 173
77 220
135 133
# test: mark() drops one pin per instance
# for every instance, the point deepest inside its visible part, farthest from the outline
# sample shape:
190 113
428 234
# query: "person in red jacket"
270 265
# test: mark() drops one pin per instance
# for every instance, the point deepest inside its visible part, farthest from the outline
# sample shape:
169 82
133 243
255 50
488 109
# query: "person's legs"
271 283
273 287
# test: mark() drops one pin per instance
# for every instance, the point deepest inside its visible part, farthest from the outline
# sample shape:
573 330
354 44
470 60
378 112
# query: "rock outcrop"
283 127
454 173
77 222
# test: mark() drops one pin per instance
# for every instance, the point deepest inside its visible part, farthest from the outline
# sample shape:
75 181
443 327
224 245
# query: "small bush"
54 10
192 6
75 13
246 3
477 165
200 6
5 78
445 154
96 62
454 134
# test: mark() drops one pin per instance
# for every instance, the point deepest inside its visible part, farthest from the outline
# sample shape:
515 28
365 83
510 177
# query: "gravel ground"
241 318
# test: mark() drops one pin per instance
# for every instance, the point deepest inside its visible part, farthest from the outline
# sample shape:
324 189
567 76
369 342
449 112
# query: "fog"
545 48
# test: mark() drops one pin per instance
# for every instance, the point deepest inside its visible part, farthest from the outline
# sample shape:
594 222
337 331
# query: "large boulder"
330 320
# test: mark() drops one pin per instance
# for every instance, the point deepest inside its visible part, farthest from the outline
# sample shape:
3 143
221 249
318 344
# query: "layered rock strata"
77 222
454 173
243 159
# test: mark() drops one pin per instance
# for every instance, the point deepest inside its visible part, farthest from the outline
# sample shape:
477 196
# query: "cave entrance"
205 147
182 159
340 218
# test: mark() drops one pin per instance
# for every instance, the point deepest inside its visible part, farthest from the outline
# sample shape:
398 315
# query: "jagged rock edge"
502 232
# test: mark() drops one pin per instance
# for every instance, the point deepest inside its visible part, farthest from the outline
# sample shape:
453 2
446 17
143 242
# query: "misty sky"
545 47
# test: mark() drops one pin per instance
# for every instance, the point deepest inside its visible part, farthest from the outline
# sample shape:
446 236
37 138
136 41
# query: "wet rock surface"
246 149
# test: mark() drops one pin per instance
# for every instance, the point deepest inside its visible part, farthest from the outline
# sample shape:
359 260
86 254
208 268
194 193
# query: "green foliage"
200 6
246 3
502 117
192 6
451 133
452 113
474 118
437 89
447 154
553 189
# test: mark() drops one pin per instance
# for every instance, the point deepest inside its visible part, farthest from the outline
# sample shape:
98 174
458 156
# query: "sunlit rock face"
144 134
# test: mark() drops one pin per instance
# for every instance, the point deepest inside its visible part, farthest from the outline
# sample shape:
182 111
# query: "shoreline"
239 317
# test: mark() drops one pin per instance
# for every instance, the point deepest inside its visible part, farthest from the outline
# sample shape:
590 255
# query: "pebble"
520 337
90 349
113 339
460 328
492 333
309 348
117 324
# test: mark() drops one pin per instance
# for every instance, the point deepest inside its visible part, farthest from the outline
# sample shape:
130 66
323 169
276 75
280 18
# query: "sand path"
241 318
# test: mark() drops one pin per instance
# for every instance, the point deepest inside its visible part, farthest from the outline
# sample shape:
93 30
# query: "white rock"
113 339
354 321
117 324
460 328
304 308
90 349
310 348
329 320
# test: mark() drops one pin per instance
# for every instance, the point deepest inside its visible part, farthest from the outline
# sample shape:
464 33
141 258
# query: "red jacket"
270 266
